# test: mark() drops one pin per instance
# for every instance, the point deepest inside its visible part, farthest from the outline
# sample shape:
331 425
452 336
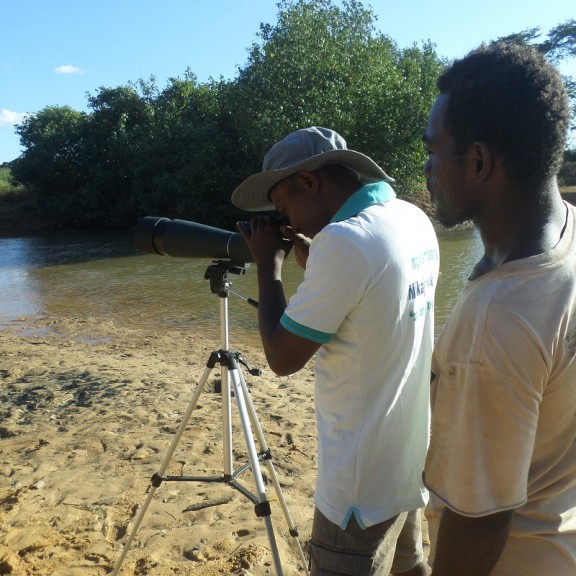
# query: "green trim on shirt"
366 196
304 331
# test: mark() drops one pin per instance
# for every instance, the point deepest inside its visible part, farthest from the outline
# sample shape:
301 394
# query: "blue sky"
53 52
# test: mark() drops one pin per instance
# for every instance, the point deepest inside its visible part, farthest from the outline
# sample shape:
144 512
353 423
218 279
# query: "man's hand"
301 245
267 245
286 352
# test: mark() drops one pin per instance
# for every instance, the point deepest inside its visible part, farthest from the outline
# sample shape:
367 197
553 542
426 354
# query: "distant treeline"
179 151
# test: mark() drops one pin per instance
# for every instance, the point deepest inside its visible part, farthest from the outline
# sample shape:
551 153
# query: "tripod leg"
156 479
293 530
263 506
226 425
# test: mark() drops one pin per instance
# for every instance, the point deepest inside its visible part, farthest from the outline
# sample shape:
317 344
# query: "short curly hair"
511 98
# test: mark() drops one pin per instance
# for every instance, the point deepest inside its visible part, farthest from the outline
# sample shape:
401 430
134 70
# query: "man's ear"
482 160
309 180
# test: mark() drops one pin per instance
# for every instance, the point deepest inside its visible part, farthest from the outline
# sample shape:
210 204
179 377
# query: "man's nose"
427 168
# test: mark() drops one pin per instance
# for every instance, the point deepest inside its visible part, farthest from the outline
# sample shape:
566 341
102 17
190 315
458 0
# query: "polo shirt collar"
368 195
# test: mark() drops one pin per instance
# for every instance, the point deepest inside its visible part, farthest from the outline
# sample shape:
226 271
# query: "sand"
87 414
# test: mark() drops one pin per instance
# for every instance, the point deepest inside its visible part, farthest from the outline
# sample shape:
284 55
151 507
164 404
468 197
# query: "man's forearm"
470 546
286 352
271 302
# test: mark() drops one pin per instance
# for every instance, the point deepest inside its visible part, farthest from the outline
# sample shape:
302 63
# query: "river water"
102 275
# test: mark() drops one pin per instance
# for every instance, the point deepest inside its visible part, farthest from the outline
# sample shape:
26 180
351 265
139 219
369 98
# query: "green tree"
559 45
325 65
560 42
81 165
180 151
116 131
191 158
52 165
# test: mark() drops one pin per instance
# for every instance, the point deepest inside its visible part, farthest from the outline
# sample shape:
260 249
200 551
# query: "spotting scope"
185 239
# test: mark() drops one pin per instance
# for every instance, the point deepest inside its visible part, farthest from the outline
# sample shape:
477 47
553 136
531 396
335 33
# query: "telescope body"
185 239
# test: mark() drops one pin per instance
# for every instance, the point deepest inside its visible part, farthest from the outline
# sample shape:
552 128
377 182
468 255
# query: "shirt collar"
368 195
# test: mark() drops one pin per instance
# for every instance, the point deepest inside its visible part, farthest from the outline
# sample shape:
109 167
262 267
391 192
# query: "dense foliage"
179 151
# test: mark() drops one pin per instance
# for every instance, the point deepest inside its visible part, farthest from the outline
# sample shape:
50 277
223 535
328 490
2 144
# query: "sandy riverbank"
87 413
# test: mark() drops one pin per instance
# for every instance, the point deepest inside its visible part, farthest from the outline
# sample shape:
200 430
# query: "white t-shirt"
504 409
367 297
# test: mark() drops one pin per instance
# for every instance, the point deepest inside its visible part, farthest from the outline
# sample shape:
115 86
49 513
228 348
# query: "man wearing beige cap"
365 307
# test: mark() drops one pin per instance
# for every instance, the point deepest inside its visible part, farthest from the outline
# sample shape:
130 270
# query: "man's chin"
447 220
449 224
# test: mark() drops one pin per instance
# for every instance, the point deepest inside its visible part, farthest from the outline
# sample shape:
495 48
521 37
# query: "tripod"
232 381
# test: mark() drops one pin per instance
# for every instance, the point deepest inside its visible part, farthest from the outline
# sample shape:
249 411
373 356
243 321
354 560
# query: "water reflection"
460 249
103 276
29 264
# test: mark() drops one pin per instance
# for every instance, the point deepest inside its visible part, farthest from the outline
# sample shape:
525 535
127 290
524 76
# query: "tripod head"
218 272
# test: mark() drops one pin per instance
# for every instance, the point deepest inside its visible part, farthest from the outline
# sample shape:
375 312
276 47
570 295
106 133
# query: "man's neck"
521 229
